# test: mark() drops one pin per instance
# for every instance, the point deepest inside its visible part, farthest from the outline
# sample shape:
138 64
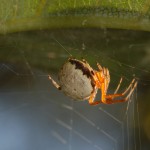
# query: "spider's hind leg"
54 83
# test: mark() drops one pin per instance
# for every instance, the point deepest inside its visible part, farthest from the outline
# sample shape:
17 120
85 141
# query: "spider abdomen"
76 80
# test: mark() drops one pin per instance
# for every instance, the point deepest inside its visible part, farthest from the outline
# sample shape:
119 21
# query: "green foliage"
23 15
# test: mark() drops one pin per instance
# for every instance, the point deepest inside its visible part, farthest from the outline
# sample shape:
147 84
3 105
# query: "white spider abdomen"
76 79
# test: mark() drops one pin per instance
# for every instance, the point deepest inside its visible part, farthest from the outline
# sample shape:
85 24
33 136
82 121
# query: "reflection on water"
34 115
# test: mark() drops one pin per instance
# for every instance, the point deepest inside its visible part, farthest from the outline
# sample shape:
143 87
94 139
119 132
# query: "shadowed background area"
34 115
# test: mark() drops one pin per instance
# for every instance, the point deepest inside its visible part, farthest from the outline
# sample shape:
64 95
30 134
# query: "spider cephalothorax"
79 81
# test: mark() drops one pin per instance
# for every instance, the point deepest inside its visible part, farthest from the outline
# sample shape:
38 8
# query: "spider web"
34 115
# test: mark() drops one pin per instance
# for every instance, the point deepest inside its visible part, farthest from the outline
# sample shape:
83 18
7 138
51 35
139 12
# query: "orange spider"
79 81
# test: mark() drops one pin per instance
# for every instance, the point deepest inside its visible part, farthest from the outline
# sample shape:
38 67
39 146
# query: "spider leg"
99 67
103 86
115 101
99 80
111 100
107 78
132 85
92 98
54 83
118 87
103 76
103 99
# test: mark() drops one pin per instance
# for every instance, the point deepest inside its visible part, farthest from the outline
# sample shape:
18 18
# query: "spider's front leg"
92 98
111 97
54 83
102 84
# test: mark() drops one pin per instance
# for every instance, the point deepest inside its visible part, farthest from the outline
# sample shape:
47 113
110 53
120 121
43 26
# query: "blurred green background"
34 115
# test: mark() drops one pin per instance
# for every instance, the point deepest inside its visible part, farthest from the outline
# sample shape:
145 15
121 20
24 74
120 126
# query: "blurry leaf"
23 15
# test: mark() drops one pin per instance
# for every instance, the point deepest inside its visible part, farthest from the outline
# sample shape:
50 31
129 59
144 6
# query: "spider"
80 82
